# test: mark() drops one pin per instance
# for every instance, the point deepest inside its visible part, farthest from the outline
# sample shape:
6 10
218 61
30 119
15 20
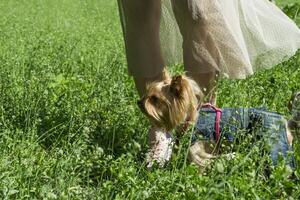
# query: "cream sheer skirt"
234 37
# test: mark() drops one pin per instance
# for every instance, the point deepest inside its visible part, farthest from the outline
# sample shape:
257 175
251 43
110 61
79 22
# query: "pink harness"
217 120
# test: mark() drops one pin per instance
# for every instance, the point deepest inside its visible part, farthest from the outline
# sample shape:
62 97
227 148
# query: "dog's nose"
140 104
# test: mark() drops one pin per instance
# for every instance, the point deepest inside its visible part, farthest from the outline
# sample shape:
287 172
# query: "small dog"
171 102
174 103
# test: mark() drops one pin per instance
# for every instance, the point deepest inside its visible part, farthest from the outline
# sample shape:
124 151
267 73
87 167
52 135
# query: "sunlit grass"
70 127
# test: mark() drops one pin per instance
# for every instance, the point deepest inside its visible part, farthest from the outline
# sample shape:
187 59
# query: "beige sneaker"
161 144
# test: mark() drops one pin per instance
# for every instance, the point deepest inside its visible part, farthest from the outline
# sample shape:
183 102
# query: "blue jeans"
268 125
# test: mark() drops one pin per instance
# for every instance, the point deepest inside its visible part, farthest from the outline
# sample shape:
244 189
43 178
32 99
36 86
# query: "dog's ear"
176 85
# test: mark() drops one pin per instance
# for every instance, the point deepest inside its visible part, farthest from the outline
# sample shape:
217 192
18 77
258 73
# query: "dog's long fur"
172 102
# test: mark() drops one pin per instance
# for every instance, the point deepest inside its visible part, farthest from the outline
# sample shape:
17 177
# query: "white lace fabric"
161 144
243 36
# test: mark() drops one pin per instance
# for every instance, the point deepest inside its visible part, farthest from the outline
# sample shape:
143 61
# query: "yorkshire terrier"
176 102
170 104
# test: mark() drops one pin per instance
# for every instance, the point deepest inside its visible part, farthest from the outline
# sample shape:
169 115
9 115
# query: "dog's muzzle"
141 105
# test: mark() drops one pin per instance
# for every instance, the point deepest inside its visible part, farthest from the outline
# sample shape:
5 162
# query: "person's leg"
208 83
141 82
141 21
198 49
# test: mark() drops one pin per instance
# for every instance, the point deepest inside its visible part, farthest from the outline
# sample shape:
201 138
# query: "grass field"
70 127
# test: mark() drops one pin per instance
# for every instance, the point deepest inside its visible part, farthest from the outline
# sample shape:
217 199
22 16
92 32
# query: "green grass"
70 127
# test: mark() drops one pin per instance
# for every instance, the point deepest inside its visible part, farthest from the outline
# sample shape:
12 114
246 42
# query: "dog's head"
167 103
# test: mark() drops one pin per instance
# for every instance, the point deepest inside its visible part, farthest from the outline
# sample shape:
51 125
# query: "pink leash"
218 118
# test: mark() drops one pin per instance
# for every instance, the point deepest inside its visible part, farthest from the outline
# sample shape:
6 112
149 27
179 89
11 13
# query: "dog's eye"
154 99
